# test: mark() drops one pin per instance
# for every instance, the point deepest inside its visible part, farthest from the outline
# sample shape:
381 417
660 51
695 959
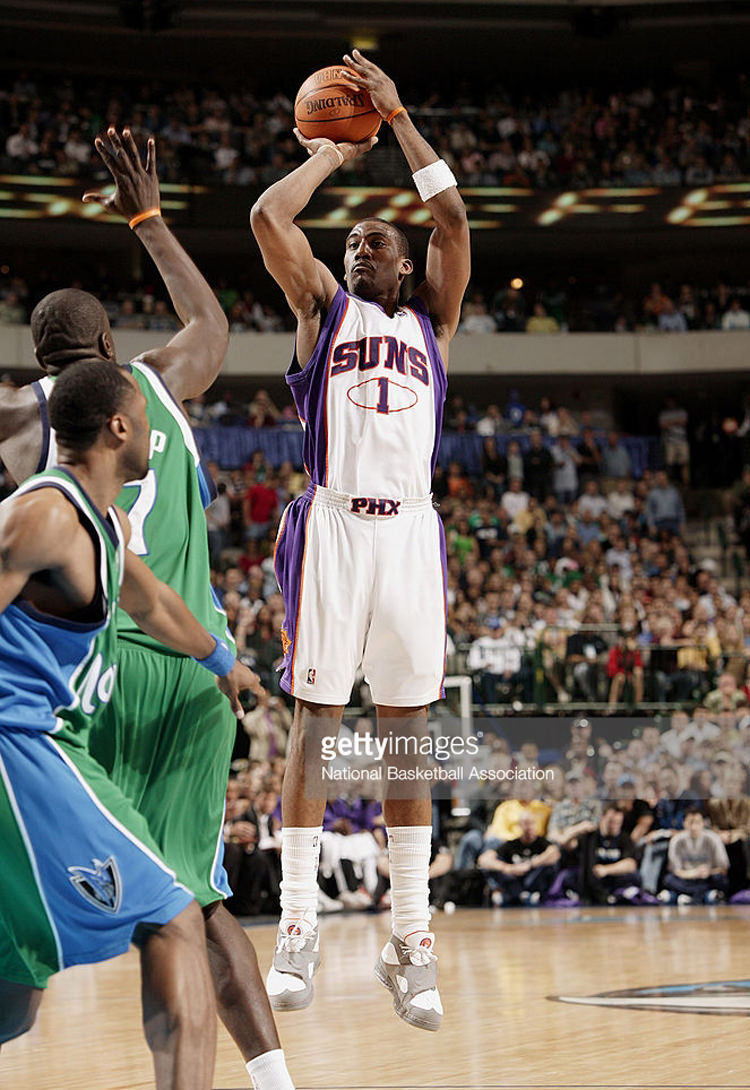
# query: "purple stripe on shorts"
309 388
444 566
439 375
288 563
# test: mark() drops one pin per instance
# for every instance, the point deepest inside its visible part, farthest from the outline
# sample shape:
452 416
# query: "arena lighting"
516 283
365 40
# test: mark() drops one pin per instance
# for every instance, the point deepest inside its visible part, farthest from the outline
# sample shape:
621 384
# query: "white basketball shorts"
363 580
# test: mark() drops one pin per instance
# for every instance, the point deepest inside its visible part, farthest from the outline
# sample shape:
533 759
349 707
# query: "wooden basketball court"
502 973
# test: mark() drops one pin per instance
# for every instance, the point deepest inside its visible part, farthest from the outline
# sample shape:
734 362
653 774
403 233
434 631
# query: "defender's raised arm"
192 359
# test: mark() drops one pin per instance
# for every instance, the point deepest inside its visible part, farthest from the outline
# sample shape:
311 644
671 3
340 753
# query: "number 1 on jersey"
140 511
382 406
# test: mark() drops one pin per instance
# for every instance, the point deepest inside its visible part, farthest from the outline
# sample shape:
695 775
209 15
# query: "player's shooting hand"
381 88
136 186
349 151
239 678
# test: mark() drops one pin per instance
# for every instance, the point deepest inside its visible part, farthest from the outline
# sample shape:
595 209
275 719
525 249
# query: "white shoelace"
421 956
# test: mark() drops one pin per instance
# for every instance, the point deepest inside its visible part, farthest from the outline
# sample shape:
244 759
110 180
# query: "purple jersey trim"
439 374
309 387
289 560
44 418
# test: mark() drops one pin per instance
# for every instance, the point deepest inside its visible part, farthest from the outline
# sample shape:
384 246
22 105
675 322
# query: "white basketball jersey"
371 399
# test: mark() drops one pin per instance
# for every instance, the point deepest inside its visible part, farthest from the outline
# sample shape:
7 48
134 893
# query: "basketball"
329 105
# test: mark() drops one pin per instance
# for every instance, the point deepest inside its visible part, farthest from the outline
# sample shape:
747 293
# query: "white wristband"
331 147
434 179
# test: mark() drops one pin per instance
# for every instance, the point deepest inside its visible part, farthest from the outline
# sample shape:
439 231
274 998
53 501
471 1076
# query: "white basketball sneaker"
297 956
409 969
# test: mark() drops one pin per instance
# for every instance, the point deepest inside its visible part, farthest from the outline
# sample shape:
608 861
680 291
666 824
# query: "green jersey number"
139 512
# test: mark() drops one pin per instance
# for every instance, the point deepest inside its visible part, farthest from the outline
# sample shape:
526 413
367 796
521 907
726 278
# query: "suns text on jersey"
370 352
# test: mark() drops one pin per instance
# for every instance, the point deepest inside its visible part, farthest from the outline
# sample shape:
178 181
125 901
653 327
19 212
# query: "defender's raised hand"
136 186
379 86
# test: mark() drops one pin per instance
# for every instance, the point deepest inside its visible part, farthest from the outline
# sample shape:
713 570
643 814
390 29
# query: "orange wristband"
147 215
395 113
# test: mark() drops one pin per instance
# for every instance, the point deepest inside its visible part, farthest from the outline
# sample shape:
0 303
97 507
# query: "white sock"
268 1072
300 849
409 854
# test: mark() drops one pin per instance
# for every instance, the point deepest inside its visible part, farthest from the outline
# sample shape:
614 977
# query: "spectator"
541 321
592 500
608 868
726 697
625 665
495 661
11 310
258 509
537 467
621 499
515 500
616 462
736 317
218 520
590 455
587 653
664 508
670 319
673 422
521 871
697 864
267 726
565 474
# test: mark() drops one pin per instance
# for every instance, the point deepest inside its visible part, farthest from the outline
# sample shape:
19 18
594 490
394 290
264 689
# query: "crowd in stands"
661 816
603 308
642 136
550 307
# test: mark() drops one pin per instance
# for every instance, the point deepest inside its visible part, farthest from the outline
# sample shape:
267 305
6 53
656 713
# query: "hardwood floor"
502 973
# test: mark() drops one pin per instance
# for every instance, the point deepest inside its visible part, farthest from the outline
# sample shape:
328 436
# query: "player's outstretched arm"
162 614
192 359
448 254
308 285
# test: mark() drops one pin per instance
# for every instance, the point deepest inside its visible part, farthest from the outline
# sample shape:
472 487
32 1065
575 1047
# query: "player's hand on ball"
136 186
349 151
381 88
239 678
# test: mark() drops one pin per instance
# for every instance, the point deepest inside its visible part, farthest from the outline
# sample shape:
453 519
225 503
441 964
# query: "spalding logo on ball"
330 105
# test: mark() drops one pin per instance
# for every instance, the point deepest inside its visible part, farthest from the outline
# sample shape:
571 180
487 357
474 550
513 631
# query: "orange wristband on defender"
147 215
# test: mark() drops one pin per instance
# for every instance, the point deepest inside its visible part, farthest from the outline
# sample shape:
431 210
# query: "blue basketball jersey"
49 665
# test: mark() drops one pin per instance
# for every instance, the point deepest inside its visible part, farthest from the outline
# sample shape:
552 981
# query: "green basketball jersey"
71 666
167 512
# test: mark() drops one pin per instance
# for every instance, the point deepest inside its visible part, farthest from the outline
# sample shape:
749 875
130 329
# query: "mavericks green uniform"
166 737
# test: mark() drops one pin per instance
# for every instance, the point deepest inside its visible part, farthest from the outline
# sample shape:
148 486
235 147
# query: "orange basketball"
330 105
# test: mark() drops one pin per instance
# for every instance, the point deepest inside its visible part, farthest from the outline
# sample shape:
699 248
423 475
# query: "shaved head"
68 326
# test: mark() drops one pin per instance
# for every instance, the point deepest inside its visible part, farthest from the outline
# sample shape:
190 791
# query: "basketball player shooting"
361 556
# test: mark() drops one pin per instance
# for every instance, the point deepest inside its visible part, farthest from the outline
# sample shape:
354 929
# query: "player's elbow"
263 216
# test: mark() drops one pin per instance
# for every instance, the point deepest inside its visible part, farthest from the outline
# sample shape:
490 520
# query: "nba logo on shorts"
310 677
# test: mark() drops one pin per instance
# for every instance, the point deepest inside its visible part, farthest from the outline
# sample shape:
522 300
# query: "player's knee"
18 1010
